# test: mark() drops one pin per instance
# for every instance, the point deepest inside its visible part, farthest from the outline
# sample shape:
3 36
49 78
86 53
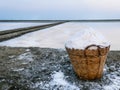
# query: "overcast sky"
59 9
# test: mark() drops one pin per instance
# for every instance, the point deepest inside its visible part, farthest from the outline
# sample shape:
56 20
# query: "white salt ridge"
87 37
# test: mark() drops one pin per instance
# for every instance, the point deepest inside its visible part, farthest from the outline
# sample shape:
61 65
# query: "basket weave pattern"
88 63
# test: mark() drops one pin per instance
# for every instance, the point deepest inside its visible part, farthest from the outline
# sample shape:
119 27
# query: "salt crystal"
87 37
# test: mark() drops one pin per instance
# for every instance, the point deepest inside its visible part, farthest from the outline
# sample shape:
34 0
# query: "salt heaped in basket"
88 50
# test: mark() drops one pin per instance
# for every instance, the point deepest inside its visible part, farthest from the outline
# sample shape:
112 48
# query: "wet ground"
43 69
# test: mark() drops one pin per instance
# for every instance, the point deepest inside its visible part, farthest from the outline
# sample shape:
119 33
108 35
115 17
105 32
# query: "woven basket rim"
89 52
101 47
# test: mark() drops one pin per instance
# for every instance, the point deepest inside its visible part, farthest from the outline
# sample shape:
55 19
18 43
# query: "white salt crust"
87 37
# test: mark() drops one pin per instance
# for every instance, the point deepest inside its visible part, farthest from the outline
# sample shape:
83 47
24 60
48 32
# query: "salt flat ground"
35 68
56 36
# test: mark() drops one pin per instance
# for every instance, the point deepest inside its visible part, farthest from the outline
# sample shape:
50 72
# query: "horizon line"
82 20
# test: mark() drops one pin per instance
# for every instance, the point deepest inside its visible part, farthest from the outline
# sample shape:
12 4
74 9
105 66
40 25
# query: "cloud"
73 9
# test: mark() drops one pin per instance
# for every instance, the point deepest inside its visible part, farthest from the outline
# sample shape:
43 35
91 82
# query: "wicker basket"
88 63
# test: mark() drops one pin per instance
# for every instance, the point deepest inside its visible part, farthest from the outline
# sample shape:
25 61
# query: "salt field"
56 36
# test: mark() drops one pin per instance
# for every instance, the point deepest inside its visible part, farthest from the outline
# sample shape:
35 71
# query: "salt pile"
87 37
